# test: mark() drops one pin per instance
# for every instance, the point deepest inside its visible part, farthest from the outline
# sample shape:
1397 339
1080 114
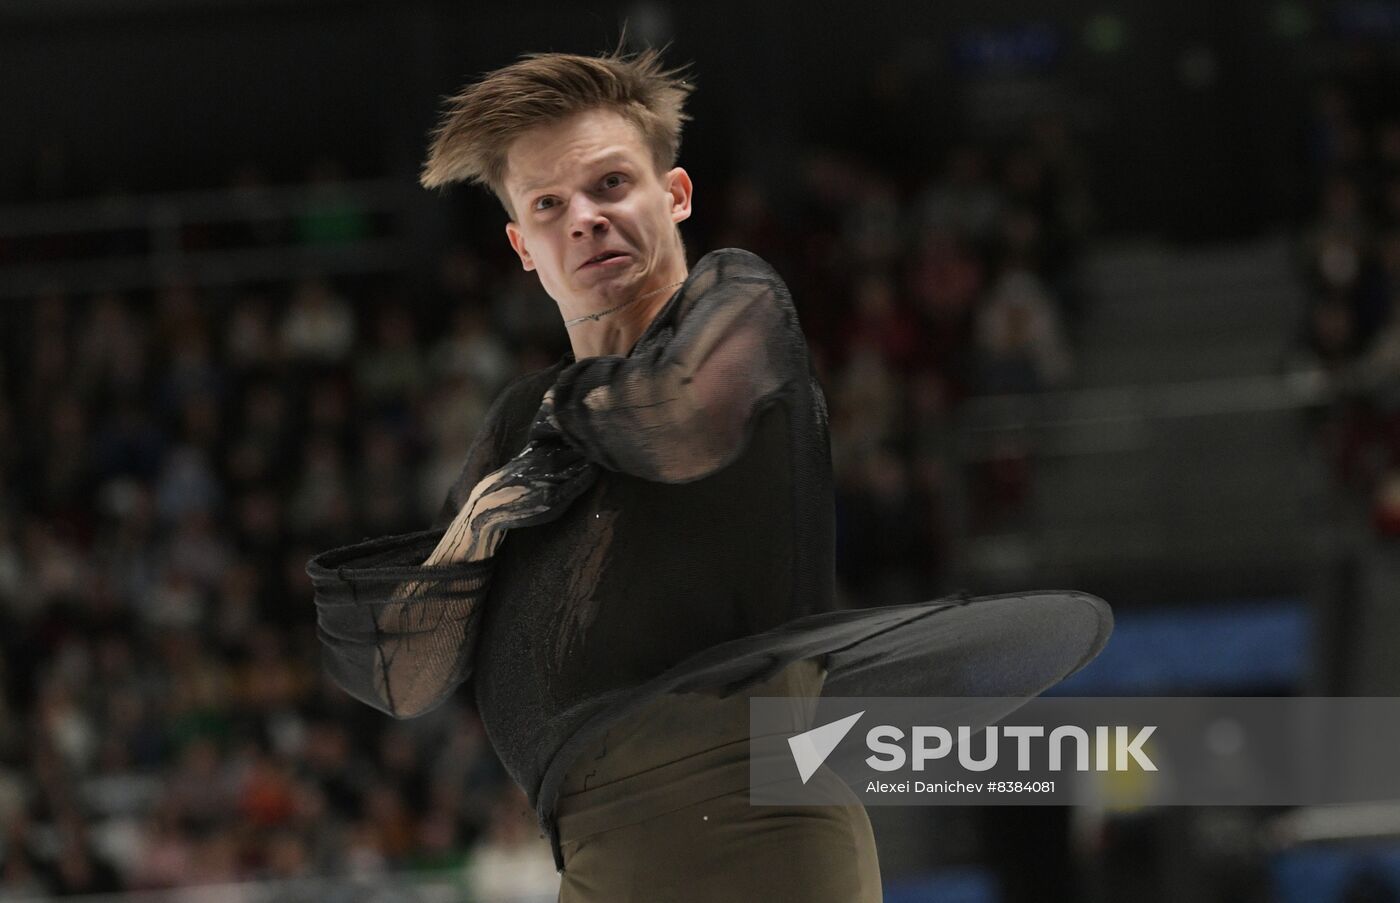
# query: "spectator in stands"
392 372
472 351
1021 344
319 325
964 199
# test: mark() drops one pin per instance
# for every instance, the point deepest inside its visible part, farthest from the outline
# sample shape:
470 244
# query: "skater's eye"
621 178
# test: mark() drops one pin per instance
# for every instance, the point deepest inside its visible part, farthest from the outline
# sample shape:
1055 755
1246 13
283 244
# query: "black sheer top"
708 516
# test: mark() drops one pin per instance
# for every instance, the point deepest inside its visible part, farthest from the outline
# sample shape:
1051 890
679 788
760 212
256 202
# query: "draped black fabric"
395 634
711 519
692 550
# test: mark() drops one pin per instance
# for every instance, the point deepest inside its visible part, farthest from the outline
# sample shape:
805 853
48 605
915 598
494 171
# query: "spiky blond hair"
480 123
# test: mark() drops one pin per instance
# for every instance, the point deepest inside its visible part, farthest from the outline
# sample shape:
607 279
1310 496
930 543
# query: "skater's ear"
679 187
517 242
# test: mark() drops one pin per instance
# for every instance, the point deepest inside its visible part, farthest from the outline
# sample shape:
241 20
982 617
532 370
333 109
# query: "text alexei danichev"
960 786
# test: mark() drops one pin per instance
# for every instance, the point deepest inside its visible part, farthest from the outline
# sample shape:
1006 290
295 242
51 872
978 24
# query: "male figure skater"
642 535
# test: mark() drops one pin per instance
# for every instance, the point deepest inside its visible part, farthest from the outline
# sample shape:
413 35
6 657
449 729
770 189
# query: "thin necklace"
604 313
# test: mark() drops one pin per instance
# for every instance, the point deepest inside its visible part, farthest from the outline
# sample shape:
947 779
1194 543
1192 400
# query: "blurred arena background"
1103 296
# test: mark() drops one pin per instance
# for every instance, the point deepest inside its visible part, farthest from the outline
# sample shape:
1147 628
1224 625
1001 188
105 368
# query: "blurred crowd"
174 456
1349 253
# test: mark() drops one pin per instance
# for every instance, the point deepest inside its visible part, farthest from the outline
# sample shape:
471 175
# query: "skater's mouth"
602 257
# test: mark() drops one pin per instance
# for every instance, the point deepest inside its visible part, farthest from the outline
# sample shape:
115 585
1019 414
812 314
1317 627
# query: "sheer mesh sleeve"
682 406
395 633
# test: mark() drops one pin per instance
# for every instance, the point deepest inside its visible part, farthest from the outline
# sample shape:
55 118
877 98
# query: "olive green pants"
659 812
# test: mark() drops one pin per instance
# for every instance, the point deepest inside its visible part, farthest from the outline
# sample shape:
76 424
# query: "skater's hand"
534 487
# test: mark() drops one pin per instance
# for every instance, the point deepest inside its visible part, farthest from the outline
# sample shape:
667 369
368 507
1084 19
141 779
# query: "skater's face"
588 184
